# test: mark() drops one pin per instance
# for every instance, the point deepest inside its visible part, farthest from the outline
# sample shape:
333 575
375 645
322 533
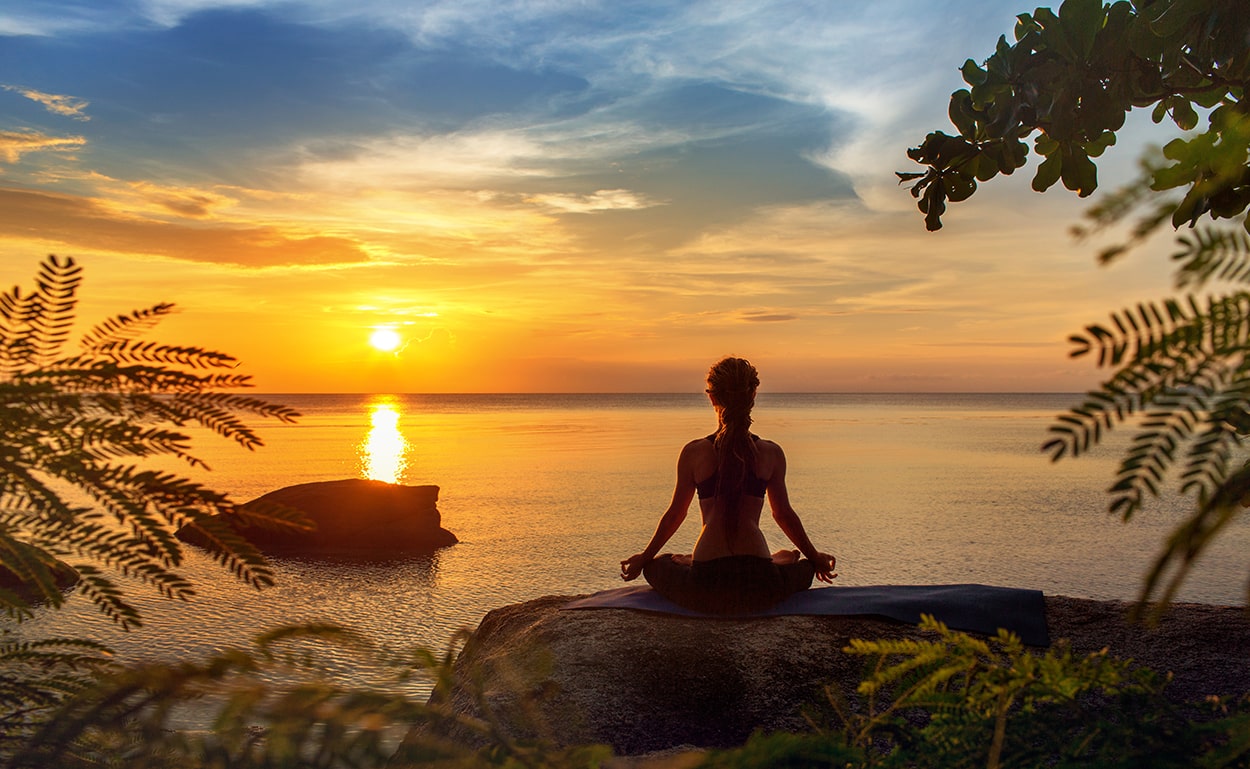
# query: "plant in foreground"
70 420
961 701
1067 81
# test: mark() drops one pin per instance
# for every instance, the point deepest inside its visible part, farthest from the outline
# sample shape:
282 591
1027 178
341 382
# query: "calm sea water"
549 492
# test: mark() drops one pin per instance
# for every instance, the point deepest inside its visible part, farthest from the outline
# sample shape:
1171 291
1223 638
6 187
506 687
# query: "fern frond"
275 517
1169 426
1192 537
1158 348
1212 253
39 676
107 546
37 325
56 286
236 402
70 652
33 566
14 606
21 488
1122 397
66 420
104 439
107 597
225 546
1148 330
150 353
1209 456
124 327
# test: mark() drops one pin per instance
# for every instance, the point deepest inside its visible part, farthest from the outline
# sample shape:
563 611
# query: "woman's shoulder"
698 446
765 446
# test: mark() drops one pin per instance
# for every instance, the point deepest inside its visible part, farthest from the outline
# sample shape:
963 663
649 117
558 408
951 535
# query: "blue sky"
542 195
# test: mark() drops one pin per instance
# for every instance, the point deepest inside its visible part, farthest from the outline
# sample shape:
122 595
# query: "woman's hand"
824 564
631 567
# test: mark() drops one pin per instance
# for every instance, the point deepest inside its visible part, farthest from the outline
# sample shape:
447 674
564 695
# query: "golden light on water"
383 453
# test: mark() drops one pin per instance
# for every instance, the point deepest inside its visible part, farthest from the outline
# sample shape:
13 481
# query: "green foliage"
1179 365
783 750
69 420
38 677
1180 370
1070 78
959 701
128 719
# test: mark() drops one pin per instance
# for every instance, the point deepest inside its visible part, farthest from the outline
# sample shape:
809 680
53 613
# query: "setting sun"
386 339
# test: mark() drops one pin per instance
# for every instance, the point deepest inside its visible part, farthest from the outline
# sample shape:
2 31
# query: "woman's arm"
788 520
672 518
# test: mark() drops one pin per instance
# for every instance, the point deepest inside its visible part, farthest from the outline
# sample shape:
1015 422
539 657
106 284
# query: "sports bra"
752 486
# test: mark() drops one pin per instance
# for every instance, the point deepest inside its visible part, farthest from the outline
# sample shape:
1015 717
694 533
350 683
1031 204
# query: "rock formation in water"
644 682
353 516
63 575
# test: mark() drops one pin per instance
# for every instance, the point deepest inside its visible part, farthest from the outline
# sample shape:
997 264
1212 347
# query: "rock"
645 682
63 575
353 516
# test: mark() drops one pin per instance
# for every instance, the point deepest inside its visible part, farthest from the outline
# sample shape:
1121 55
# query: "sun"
386 339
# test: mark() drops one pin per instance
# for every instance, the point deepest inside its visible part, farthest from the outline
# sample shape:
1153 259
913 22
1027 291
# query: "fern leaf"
108 598
231 550
124 327
42 321
275 517
1208 253
66 418
138 351
14 606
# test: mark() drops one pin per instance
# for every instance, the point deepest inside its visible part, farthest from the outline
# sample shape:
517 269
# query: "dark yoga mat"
972 608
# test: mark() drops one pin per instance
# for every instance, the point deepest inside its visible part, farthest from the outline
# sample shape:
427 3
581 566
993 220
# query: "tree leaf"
1081 20
1048 172
1079 173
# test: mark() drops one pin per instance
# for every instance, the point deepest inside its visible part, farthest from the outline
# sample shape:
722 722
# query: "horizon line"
679 392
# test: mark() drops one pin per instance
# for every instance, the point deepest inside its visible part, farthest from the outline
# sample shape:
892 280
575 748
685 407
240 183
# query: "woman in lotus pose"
732 471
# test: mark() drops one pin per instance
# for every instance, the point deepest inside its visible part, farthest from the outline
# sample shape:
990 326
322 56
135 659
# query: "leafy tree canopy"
1068 82
1181 366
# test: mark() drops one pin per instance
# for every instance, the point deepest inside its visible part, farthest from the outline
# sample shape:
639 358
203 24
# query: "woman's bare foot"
684 559
782 557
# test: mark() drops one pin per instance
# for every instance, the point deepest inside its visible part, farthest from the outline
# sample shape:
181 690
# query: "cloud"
188 202
601 200
14 144
84 223
768 317
57 104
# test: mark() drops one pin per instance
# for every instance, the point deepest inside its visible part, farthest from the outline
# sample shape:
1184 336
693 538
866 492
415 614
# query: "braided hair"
732 383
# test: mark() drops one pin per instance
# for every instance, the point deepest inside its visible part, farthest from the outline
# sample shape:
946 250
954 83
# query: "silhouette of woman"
731 570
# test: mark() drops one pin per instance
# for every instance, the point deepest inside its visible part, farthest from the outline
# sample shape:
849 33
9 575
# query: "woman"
731 570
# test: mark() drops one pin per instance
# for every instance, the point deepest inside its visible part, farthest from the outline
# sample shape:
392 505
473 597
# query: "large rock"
350 516
63 575
649 682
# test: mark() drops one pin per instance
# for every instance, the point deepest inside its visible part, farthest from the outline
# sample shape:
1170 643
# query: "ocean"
548 493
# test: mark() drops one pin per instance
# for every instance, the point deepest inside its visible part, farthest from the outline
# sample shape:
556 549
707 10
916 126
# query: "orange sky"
541 203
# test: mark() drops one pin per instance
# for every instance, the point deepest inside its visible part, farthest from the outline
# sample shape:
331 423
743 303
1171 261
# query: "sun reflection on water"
383 452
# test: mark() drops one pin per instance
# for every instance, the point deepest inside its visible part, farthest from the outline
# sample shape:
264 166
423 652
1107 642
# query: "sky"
542 196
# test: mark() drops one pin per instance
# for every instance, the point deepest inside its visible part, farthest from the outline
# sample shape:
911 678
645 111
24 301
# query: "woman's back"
721 536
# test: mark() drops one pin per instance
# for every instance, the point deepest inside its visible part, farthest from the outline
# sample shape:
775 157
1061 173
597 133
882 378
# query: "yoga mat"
971 608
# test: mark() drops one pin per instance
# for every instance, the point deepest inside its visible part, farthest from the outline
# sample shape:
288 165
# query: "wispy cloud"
83 223
57 104
768 317
600 200
14 144
186 202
